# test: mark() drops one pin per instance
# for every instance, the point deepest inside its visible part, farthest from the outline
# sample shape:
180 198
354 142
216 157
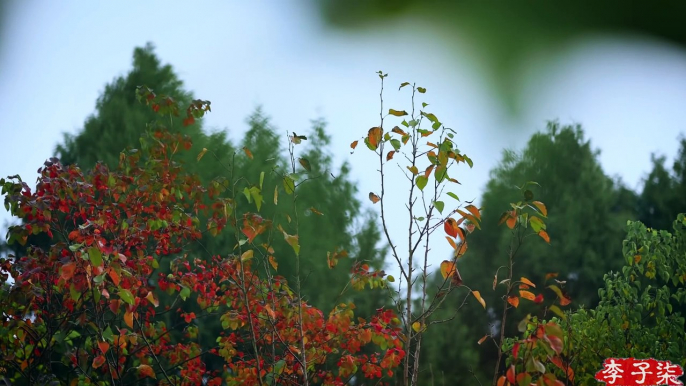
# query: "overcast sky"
56 57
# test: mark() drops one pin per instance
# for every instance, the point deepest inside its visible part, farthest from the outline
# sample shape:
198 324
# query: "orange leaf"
541 207
550 275
390 154
474 211
450 227
270 312
247 152
483 338
98 361
104 346
146 371
374 198
273 262
397 130
428 170
501 381
113 275
353 145
478 297
527 282
544 236
461 249
68 271
511 220
513 300
128 318
527 295
374 136
451 242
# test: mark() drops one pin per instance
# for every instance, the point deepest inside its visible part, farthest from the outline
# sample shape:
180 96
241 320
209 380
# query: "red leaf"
511 374
450 227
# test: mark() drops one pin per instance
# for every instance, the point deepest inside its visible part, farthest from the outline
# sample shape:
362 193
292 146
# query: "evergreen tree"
587 212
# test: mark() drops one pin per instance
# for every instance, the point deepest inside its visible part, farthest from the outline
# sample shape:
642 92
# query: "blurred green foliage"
505 33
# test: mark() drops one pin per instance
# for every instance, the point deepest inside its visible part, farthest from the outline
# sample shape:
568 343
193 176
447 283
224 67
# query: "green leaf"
185 293
403 84
468 160
396 144
453 195
439 205
261 179
246 193
390 278
421 182
536 224
95 256
422 90
126 296
257 196
289 185
305 164
397 113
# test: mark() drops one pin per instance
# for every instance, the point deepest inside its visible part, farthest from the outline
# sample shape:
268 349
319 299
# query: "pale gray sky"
56 57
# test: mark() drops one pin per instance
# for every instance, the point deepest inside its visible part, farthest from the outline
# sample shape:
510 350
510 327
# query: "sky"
56 57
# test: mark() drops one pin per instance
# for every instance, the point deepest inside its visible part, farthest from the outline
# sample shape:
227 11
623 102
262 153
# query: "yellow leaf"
541 207
416 326
151 299
276 195
413 169
273 262
451 242
128 318
201 154
447 269
478 297
247 255
461 249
